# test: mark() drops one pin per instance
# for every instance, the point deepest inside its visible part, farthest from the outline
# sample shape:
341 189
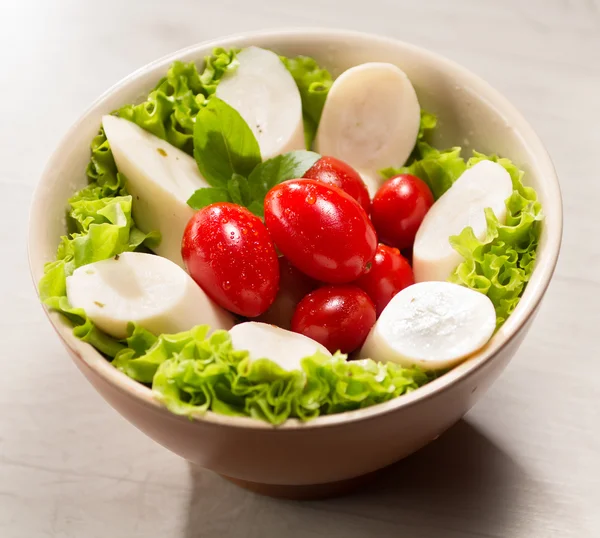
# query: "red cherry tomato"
335 172
339 317
389 273
293 286
399 208
228 252
322 230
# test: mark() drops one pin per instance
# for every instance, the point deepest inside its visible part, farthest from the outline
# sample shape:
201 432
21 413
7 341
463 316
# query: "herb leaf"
223 143
210 195
250 192
290 165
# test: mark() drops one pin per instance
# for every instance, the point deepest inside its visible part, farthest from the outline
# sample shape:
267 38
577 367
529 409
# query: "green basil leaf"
290 165
257 208
223 143
207 196
238 190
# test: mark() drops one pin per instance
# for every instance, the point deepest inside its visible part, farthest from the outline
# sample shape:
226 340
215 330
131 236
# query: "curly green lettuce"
99 218
314 84
193 372
438 168
101 228
169 112
502 263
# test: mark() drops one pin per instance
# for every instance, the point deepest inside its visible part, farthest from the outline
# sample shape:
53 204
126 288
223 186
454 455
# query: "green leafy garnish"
290 165
250 192
501 265
192 373
170 110
207 196
427 125
314 84
439 169
223 143
103 229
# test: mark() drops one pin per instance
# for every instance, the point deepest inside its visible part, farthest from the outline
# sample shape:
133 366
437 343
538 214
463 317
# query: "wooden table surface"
524 463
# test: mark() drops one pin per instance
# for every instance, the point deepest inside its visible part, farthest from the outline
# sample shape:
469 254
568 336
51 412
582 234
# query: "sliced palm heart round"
485 185
146 289
370 120
433 325
263 91
264 341
160 178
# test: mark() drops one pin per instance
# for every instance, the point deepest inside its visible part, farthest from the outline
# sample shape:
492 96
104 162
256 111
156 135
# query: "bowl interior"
471 114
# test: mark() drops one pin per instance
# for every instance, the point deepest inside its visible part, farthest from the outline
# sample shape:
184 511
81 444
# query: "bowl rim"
523 313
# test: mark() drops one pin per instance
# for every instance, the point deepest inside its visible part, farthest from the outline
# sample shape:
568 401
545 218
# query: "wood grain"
524 463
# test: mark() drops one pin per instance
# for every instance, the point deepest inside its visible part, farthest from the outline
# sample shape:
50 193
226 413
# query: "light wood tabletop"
524 463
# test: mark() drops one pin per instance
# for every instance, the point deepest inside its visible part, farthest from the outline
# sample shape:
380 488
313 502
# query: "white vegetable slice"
433 325
264 341
263 91
487 184
160 177
147 289
370 120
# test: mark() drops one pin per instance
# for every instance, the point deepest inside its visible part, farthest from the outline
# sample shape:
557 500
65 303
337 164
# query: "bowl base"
306 492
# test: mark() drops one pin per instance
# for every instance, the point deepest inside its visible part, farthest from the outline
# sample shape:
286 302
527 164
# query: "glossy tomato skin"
293 287
339 317
322 230
398 209
335 172
228 252
388 274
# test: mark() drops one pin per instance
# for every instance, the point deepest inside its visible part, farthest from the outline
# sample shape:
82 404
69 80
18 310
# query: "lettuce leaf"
84 328
195 373
99 218
501 265
426 127
439 169
102 228
314 84
170 110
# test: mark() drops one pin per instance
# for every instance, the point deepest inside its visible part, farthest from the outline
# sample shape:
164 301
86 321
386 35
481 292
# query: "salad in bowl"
260 238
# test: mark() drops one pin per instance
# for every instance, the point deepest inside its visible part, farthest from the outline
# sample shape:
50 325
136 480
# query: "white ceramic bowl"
324 455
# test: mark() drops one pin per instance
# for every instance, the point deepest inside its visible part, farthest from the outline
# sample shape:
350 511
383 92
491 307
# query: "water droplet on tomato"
311 198
226 285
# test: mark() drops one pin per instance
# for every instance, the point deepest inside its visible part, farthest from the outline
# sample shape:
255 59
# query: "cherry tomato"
228 252
335 172
322 230
339 317
293 286
389 273
399 208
